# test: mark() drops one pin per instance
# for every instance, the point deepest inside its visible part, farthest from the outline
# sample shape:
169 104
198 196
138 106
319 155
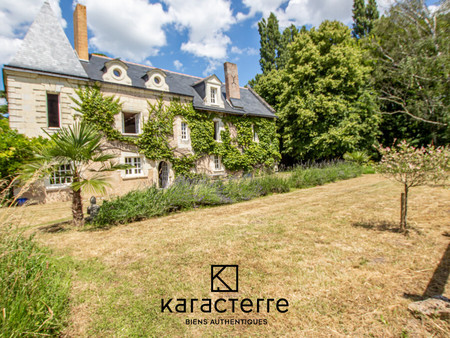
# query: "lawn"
332 251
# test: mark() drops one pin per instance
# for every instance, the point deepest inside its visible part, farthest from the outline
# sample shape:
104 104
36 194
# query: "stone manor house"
44 74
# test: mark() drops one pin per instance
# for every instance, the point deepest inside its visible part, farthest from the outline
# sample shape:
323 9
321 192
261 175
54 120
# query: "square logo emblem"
224 278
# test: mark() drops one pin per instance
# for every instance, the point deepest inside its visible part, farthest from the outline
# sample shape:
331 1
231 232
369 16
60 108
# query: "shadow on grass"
436 285
385 226
378 226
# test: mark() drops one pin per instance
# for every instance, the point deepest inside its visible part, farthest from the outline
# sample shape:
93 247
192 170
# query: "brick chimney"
231 81
80 32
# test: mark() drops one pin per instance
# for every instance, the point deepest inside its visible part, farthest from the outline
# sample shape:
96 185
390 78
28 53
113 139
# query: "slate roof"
187 85
46 47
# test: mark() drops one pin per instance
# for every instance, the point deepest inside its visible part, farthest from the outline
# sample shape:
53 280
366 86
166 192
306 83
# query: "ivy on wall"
240 152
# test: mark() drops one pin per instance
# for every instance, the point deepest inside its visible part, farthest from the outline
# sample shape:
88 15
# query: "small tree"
413 167
79 146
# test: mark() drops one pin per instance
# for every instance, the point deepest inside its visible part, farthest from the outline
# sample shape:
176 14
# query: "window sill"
133 177
56 187
132 135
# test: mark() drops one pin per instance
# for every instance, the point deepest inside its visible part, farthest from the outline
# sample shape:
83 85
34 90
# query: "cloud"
305 12
206 22
132 29
212 66
260 6
178 65
248 51
16 17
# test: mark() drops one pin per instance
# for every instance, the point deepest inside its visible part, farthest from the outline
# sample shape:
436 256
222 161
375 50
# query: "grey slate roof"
249 104
46 47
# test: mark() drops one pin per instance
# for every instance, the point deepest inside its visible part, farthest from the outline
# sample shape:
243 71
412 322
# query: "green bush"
34 289
309 177
188 193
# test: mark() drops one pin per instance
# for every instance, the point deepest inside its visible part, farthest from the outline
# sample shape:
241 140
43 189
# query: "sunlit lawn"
330 250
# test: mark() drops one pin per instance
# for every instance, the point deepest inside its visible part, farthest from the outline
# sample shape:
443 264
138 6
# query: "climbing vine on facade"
253 144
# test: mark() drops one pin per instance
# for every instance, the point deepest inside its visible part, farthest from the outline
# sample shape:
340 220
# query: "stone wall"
27 99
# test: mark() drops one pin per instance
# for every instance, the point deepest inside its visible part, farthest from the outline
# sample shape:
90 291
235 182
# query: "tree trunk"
404 209
77 208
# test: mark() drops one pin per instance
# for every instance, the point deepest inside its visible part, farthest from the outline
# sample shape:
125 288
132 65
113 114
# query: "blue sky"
190 36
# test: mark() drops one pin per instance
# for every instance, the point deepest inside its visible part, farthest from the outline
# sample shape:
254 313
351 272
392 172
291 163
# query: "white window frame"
217 163
60 175
184 131
138 123
138 166
213 95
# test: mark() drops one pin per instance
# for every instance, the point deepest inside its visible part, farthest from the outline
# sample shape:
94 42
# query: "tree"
274 53
413 167
15 150
80 147
364 16
411 52
3 107
327 107
270 39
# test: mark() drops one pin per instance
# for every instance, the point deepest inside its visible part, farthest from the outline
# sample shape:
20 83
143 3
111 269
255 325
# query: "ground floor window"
136 163
62 175
217 163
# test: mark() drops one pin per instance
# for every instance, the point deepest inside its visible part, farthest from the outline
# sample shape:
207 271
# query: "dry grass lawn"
331 251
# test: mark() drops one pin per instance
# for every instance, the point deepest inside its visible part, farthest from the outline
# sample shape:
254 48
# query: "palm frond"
95 184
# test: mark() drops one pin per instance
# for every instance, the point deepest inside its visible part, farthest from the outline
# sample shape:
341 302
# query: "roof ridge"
147 66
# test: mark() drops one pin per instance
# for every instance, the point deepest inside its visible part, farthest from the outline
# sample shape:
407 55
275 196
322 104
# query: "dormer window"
156 79
213 95
116 71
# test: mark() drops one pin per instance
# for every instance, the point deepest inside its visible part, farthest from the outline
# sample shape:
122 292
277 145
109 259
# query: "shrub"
313 176
34 289
188 193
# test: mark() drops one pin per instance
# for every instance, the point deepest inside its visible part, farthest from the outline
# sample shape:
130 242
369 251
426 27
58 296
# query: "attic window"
213 95
117 72
157 80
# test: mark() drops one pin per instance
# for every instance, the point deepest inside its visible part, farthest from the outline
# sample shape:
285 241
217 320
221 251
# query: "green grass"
186 193
34 288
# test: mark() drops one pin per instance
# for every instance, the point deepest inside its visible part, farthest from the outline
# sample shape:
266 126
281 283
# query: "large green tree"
326 107
270 38
273 51
364 16
411 52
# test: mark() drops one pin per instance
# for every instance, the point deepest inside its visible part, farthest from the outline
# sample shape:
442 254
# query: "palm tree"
80 147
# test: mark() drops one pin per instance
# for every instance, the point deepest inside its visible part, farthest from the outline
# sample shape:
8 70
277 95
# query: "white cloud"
305 12
206 22
212 66
260 6
247 50
132 29
16 17
2 102
178 65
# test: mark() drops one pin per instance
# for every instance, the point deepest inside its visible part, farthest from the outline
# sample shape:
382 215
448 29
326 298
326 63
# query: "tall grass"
190 193
34 288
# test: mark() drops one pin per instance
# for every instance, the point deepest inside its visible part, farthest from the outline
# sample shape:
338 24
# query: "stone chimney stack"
80 32
231 81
